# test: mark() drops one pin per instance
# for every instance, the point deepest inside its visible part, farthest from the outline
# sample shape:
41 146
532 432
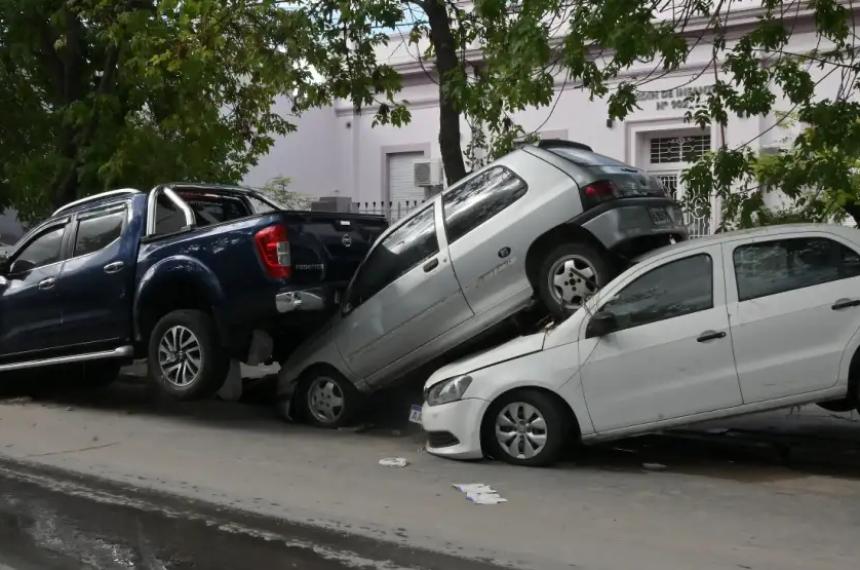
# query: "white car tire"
527 427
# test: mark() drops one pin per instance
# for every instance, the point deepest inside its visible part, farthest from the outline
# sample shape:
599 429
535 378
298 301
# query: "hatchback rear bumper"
625 222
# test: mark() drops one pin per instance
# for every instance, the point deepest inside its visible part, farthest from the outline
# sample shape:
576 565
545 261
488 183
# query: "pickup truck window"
43 250
97 232
168 218
212 209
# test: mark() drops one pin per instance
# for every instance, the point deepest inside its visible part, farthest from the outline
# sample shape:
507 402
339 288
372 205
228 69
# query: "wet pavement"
53 520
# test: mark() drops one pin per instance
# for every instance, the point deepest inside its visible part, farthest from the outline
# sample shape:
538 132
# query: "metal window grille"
697 221
679 149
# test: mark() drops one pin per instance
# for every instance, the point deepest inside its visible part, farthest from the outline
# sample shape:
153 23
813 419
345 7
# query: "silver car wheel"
180 356
572 281
325 400
521 430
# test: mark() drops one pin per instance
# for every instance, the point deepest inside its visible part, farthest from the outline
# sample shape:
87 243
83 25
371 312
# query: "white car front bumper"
454 429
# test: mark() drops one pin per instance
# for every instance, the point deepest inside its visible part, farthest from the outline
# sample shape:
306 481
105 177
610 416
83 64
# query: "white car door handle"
711 335
845 304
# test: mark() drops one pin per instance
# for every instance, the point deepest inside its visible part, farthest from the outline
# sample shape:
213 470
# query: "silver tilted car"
550 223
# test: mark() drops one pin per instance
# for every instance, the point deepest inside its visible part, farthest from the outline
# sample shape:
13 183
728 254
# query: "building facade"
337 151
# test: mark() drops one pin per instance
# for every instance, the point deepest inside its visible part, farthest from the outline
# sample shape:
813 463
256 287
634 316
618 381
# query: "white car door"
404 295
670 355
794 306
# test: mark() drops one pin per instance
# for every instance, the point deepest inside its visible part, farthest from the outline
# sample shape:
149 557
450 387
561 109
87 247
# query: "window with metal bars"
679 149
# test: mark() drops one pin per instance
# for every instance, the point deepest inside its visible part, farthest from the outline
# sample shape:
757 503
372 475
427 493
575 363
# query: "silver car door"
492 218
404 295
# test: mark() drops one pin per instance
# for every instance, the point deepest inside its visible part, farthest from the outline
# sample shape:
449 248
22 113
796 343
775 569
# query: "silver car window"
401 250
480 198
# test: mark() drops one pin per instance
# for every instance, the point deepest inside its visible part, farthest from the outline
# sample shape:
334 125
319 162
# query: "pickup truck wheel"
569 274
328 400
186 359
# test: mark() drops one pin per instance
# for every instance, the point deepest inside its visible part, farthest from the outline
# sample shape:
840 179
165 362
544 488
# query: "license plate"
659 216
415 414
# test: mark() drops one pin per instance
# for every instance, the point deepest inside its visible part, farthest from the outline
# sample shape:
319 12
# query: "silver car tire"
527 427
569 274
327 399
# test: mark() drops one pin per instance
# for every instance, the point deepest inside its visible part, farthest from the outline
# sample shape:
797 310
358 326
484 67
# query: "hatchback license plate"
415 414
659 216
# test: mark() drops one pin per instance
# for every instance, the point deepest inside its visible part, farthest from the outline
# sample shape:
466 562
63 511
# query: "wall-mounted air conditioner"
428 173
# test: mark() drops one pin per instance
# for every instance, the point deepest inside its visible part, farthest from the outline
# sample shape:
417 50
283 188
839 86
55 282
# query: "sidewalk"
708 509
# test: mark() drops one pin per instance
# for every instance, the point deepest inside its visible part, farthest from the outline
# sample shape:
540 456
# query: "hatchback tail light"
597 192
274 248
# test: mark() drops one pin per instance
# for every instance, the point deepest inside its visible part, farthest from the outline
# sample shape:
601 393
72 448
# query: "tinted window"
168 218
479 199
97 232
677 288
44 250
215 209
403 249
772 267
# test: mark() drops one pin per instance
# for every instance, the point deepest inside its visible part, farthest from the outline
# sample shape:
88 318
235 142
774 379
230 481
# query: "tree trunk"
447 64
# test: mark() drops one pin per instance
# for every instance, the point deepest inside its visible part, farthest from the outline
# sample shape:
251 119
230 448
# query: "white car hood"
520 346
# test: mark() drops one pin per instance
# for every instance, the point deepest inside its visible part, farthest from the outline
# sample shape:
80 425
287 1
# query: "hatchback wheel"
569 275
186 359
527 428
328 400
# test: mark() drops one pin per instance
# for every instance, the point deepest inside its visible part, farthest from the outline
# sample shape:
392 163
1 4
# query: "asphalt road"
122 478
54 520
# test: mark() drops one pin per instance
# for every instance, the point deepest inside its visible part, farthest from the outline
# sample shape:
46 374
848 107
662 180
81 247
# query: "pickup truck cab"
189 276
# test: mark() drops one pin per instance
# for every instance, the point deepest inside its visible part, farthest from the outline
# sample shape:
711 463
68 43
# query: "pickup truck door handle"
114 267
46 284
431 265
845 304
711 335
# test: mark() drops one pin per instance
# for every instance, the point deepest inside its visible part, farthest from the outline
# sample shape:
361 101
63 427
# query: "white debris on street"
480 493
394 462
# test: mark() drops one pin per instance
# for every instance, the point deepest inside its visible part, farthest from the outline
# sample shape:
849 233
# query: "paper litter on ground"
480 493
394 462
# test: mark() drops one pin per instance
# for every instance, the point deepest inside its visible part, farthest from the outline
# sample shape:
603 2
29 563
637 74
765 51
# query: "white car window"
772 267
677 288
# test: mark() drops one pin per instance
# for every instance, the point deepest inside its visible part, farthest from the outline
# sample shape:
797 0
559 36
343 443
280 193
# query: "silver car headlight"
446 391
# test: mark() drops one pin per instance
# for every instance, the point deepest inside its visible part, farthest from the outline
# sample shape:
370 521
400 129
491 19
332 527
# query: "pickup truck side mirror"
21 266
601 324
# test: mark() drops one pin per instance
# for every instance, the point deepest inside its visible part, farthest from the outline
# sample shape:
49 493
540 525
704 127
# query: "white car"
727 325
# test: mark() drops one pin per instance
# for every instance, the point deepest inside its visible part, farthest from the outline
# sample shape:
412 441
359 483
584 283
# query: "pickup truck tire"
326 399
186 359
569 274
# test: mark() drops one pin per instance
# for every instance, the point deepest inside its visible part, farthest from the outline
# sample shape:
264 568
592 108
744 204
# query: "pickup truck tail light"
597 192
274 248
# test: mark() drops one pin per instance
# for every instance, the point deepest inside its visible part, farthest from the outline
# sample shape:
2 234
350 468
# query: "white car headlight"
446 391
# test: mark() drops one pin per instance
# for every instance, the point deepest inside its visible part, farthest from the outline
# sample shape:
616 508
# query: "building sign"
677 98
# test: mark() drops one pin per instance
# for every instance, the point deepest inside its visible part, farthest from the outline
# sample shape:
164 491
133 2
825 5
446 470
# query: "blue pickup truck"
189 276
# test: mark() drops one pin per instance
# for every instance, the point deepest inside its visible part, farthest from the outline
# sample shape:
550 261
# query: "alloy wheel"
180 356
572 281
521 430
325 400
